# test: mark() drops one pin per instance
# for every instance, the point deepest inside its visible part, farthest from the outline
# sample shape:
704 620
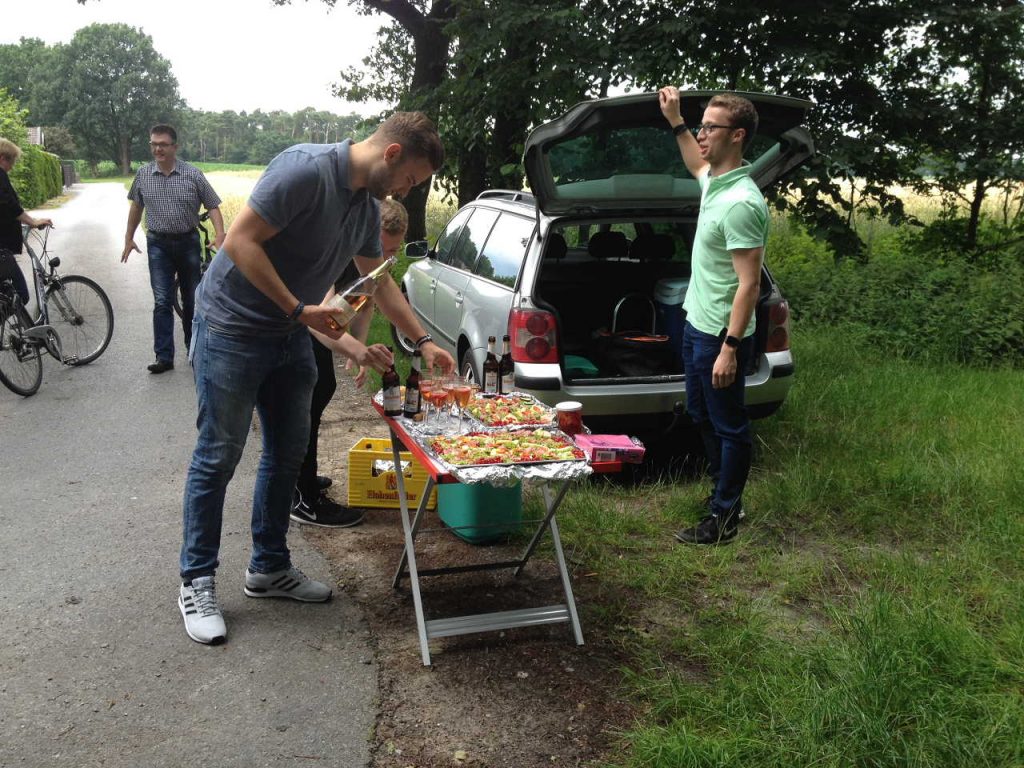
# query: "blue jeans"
234 374
167 258
721 416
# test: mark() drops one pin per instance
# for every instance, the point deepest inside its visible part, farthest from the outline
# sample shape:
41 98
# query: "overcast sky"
226 54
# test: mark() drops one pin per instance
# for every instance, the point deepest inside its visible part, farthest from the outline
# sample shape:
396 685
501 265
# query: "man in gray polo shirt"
171 192
310 213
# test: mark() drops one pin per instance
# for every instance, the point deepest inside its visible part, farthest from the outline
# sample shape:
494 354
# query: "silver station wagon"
587 274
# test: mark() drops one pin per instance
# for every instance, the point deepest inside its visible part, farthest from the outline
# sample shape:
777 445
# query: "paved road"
95 666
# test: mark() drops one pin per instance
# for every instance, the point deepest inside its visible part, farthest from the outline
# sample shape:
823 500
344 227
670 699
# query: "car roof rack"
508 194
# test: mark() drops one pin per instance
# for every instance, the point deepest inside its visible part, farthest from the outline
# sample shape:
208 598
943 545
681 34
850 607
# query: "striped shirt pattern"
172 202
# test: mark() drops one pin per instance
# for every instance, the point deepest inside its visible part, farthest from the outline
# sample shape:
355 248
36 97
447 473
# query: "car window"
503 254
469 246
446 242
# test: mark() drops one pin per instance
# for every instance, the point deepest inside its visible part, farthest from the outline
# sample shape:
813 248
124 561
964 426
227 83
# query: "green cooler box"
480 513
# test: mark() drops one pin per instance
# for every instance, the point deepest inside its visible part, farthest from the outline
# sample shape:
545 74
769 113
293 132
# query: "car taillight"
534 339
778 327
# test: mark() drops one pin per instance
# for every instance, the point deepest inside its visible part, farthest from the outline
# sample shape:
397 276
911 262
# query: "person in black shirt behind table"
171 191
12 215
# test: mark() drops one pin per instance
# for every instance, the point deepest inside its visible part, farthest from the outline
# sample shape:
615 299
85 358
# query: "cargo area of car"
617 293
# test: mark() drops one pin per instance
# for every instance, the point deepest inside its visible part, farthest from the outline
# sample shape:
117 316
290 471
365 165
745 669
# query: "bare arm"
134 218
218 227
244 246
668 100
24 218
747 263
396 309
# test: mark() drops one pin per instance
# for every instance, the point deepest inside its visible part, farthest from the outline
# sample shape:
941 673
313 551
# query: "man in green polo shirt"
728 250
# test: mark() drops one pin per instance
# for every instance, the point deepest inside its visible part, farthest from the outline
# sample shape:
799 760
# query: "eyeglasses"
709 128
160 144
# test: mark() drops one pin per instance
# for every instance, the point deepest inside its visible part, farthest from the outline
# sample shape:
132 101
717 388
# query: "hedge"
36 177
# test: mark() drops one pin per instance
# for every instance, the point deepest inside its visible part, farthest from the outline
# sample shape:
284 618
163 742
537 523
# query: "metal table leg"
410 552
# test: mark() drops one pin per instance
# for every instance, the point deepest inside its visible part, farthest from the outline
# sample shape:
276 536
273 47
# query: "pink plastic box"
611 448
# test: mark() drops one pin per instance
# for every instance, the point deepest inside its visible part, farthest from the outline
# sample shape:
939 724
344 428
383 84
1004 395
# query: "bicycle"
206 254
72 313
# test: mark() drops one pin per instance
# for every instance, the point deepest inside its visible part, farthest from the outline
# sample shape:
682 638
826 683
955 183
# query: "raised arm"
668 100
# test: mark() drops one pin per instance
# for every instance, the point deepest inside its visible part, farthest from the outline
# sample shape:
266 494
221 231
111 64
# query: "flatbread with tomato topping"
508 411
505 447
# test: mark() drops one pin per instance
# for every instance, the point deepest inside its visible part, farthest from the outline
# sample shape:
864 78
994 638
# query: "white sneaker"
203 620
291 583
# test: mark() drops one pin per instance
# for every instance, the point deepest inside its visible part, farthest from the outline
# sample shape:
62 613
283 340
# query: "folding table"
554 491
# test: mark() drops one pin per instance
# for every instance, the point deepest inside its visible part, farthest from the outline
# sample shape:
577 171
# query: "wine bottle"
413 402
392 390
491 369
506 369
354 296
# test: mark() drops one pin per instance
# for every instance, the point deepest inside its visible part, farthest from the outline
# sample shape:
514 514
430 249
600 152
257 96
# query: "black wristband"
679 129
297 311
423 340
732 341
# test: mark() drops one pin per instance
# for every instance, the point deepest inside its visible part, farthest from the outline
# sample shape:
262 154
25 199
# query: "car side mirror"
417 249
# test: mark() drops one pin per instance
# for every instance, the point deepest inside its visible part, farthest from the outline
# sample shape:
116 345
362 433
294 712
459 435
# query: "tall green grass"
870 612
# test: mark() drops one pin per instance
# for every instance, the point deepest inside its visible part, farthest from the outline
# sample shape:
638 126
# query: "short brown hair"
416 133
9 149
741 114
394 219
165 130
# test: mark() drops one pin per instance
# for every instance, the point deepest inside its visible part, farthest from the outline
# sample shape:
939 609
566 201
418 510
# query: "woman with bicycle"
12 215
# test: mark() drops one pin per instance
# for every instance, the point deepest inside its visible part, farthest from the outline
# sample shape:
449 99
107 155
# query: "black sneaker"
323 512
323 482
709 531
711 497
160 366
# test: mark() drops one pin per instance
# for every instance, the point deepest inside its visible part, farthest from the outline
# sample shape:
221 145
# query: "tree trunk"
416 204
472 174
430 44
125 159
980 185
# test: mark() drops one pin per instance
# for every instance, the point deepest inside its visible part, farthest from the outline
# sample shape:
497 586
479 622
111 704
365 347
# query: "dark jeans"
720 414
169 257
326 384
233 374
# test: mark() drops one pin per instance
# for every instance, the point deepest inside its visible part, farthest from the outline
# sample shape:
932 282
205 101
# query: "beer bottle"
506 369
491 369
413 403
392 390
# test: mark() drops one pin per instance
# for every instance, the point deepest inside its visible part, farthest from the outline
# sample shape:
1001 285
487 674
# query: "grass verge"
870 611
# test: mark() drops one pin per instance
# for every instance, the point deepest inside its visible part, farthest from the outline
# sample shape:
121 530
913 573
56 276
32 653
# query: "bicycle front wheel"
21 366
80 312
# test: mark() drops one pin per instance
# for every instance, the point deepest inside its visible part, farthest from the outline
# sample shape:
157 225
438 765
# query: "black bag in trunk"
633 352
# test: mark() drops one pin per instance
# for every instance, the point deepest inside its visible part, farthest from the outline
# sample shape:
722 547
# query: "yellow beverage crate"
372 481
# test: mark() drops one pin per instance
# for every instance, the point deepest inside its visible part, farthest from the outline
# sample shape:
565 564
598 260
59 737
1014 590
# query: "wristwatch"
732 341
679 129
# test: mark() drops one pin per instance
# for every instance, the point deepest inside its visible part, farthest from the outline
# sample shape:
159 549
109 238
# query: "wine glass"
439 396
426 385
462 390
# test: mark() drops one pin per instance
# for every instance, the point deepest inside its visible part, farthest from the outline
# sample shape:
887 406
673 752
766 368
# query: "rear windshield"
625 162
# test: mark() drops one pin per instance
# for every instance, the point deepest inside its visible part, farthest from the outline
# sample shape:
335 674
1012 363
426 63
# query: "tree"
12 119
24 67
971 60
58 140
111 87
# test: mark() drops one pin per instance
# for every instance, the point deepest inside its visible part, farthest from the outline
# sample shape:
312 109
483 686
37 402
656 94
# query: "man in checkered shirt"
171 192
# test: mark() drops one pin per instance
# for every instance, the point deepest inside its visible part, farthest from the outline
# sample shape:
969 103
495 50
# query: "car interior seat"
608 245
